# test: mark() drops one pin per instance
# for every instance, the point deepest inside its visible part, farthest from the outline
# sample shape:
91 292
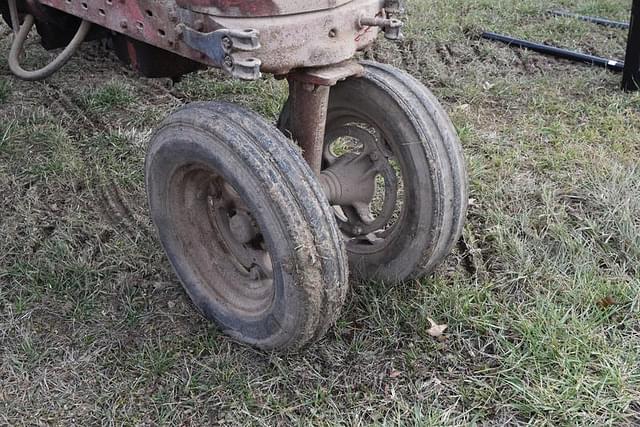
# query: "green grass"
5 90
265 97
112 95
540 297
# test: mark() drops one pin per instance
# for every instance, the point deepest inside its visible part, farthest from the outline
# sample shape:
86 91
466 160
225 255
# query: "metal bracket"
329 75
392 27
220 45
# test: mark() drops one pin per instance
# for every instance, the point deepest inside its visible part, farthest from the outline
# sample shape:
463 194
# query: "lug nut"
227 43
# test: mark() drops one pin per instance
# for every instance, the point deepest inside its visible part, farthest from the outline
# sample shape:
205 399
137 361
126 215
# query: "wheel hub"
360 180
239 232
242 227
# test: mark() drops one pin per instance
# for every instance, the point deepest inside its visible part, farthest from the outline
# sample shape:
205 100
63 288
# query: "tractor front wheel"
245 226
394 172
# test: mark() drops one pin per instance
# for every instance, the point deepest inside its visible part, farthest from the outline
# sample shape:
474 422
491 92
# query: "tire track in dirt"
113 205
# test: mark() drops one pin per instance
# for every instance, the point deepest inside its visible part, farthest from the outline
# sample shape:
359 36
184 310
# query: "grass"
112 95
5 90
541 296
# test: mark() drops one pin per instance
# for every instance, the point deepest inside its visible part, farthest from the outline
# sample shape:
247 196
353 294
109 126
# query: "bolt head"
227 43
242 228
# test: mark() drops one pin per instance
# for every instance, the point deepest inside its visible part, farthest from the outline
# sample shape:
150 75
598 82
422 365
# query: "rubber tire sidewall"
297 315
432 163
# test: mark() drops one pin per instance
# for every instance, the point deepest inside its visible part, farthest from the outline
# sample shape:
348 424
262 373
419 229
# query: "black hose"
595 20
610 64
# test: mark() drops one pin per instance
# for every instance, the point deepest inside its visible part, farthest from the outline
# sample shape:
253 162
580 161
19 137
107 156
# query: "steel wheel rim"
338 120
200 205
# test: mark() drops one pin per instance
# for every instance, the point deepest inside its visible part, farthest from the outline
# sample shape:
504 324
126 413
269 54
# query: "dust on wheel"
245 226
394 171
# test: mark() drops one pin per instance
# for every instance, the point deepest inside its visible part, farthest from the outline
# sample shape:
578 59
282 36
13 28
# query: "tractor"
264 224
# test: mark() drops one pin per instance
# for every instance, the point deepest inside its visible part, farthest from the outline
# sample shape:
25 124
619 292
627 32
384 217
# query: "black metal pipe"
610 64
631 75
599 21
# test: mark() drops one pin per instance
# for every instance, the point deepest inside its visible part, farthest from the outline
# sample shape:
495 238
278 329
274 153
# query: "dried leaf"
436 330
606 302
394 373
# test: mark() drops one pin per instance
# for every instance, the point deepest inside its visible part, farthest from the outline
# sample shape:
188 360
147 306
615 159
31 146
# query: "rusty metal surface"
310 39
151 21
309 104
259 8
329 75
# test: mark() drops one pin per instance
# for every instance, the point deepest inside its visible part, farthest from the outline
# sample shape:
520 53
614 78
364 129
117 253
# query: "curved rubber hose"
13 12
53 66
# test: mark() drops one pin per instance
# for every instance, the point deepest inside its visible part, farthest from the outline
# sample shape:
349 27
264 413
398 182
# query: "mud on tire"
245 226
393 112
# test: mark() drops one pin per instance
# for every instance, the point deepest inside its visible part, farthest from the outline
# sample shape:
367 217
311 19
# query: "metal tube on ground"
595 20
631 75
610 64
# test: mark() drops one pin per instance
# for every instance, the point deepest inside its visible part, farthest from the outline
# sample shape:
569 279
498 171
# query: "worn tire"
419 132
302 239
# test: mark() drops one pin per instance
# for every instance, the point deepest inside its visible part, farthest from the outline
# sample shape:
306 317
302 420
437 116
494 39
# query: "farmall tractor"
363 176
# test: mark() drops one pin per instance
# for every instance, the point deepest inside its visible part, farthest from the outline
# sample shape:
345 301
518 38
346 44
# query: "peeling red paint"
293 34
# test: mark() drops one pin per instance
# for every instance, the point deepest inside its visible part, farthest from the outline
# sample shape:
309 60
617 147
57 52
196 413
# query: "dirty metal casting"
259 8
292 34
238 231
351 179
305 34
327 76
219 46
